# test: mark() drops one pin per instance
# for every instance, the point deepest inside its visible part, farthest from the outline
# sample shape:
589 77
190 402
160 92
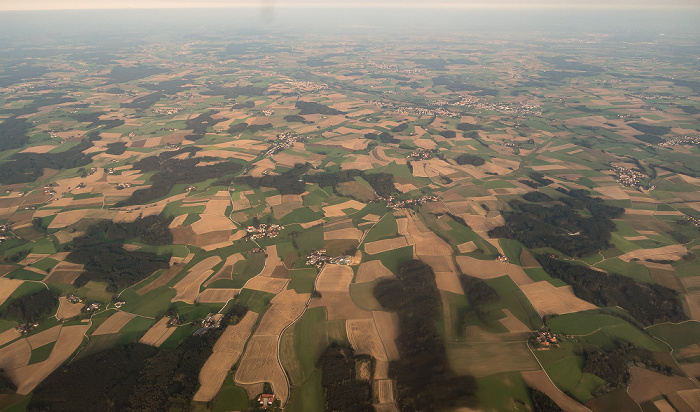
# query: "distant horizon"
80 5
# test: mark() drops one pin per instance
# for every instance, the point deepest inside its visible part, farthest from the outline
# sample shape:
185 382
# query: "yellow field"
550 300
365 339
217 295
385 245
260 364
334 278
188 287
266 284
513 324
673 252
337 210
7 286
45 337
15 355
374 269
114 323
339 305
27 377
158 333
227 350
347 233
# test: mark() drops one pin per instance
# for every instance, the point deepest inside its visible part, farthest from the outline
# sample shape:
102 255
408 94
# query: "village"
628 177
285 140
393 203
543 340
684 139
263 230
319 258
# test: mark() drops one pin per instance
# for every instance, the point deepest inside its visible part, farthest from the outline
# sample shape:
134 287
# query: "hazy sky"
480 4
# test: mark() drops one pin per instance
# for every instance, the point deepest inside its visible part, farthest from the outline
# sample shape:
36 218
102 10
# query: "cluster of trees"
175 171
28 167
170 86
6 385
400 128
234 91
143 102
116 148
243 105
123 74
561 226
457 84
94 120
13 133
240 127
289 182
291 118
648 303
469 159
315 108
342 390
382 183
613 365
543 403
477 291
200 123
129 378
33 307
101 251
448 134
384 137
424 379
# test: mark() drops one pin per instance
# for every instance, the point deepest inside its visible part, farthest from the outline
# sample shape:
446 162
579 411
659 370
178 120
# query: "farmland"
467 215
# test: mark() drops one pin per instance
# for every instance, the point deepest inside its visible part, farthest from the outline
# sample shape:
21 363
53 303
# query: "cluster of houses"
268 112
25 328
393 203
118 304
49 191
266 400
256 250
5 232
173 146
421 154
693 220
319 258
628 177
502 258
167 111
212 321
74 299
308 86
123 185
545 339
110 170
92 307
684 139
263 230
284 141
190 188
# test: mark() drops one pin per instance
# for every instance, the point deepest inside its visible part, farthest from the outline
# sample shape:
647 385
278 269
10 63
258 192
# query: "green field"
384 229
391 259
362 295
503 392
151 304
254 300
307 397
566 373
41 353
230 397
677 335
302 280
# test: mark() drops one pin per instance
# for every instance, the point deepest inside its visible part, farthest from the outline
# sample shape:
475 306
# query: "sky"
6 5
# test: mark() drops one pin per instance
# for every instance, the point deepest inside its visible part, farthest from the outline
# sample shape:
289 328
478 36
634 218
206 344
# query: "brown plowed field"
114 323
527 260
540 381
227 350
646 385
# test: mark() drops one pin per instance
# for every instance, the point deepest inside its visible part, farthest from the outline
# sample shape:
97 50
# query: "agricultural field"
236 208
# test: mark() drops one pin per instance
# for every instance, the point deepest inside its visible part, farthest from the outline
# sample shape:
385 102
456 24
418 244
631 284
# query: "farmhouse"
266 400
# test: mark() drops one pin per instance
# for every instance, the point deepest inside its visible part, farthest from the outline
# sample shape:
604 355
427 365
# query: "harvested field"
467 247
664 275
27 377
374 269
158 333
339 305
15 355
68 218
67 310
337 210
7 287
284 209
691 282
188 287
385 245
271 262
540 381
348 233
217 295
282 313
212 223
385 390
489 269
693 300
227 350
663 406
513 324
166 276
8 336
482 223
646 385
448 281
226 271
483 359
62 274
260 364
365 339
672 252
266 284
388 331
44 337
334 278
550 300
114 323
216 207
